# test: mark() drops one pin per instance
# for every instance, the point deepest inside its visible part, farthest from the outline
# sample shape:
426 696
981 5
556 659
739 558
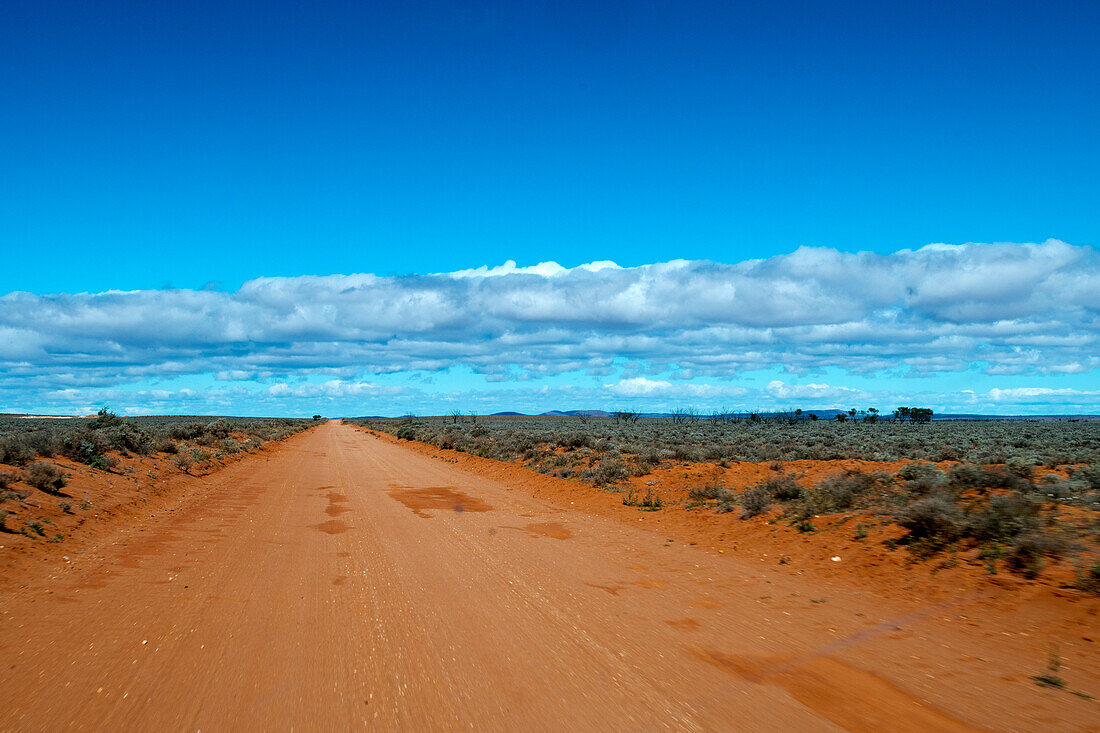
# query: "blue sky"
193 148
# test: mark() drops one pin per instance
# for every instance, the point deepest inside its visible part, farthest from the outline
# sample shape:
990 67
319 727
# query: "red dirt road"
344 581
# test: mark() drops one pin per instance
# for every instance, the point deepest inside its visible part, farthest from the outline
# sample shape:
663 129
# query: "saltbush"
44 476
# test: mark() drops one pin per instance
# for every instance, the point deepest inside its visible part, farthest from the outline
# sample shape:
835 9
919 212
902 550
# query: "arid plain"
341 577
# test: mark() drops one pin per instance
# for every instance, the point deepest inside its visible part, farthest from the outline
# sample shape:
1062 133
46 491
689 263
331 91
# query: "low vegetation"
99 441
30 449
1011 495
551 444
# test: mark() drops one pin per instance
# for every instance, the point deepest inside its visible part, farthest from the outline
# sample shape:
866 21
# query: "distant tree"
455 415
105 419
316 417
872 415
920 414
813 416
913 414
841 417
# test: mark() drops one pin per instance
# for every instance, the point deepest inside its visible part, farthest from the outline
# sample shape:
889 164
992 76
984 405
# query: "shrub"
575 440
609 471
840 492
805 525
1088 579
65 506
128 438
687 453
16 450
1022 467
185 431
44 476
754 501
921 479
1004 518
88 447
782 488
105 419
406 434
35 526
7 478
711 491
1090 475
1056 488
933 522
218 429
966 476
650 502
103 462
183 461
1029 550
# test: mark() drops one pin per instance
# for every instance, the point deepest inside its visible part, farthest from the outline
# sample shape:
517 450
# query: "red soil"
339 580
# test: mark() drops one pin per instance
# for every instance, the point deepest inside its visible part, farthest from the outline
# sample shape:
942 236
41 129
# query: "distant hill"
576 413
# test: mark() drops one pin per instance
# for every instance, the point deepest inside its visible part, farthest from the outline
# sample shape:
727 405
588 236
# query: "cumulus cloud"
1041 395
1001 309
660 388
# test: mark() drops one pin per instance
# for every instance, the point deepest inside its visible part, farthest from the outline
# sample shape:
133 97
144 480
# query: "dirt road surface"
346 582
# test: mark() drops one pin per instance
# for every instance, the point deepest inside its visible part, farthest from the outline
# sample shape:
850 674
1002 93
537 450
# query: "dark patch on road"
438 497
553 530
332 526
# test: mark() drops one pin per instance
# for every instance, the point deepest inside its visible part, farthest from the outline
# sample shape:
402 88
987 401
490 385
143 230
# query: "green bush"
105 419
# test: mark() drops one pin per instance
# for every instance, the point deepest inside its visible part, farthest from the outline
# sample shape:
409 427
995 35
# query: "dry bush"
754 500
44 476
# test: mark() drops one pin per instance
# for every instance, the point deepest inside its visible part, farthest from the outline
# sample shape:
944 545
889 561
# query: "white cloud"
1042 395
821 393
1004 309
544 269
639 387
